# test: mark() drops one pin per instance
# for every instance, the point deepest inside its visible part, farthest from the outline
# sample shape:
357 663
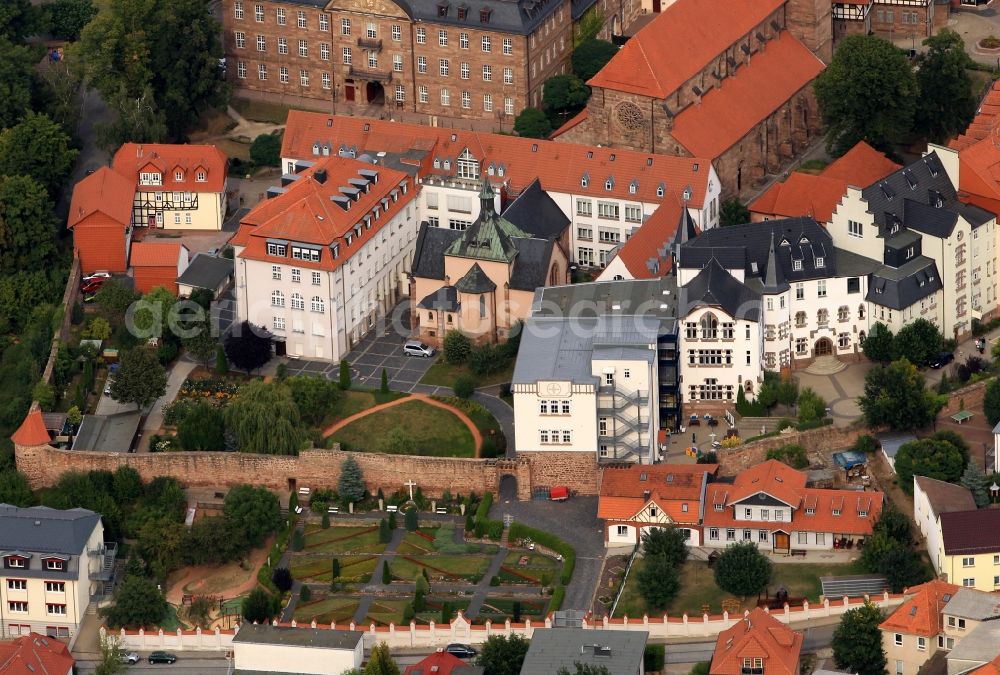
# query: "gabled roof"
35 654
757 635
729 112
900 287
677 45
944 497
860 166
648 252
428 255
991 668
984 125
301 636
103 191
559 166
969 603
206 271
442 663
771 477
535 212
150 254
628 490
715 287
475 281
132 158
971 532
801 195
32 430
920 614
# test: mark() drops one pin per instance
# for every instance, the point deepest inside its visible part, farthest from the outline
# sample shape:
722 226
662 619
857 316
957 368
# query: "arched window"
317 305
277 299
709 327
482 306
844 313
800 319
297 301
823 317
861 337
618 277
861 311
748 386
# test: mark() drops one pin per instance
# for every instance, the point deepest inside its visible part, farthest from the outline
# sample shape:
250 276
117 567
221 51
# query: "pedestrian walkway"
154 419
477 437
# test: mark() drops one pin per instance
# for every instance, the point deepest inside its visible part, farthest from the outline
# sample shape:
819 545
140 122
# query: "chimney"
645 494
138 151
319 176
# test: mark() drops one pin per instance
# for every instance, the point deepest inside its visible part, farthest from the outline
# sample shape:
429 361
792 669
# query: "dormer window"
797 265
178 176
862 514
810 512
15 562
609 184
584 181
484 15
437 163
659 190
462 13
335 249
836 512
820 262
718 507
447 165
443 10
200 177
633 187
55 564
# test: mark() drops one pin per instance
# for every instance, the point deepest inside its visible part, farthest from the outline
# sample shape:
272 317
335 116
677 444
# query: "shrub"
383 531
266 150
866 443
393 524
464 387
281 577
483 510
386 574
305 594
494 530
494 580
298 541
411 519
793 455
456 347
653 658
324 522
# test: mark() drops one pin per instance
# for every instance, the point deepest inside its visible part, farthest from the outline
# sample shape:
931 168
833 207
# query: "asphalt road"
188 663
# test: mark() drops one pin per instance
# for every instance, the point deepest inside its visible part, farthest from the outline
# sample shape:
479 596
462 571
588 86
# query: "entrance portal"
374 93
824 347
508 488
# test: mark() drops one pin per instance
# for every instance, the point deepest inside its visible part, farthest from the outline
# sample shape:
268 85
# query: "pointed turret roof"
475 281
489 238
32 430
716 287
774 279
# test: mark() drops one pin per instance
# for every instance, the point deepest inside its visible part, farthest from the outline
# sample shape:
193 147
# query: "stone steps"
825 365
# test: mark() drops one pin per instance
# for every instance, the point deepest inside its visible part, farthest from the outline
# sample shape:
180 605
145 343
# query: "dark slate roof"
748 247
40 529
490 236
619 651
475 281
206 271
443 299
902 240
428 256
920 197
900 287
536 213
686 229
320 638
107 433
715 287
971 531
531 266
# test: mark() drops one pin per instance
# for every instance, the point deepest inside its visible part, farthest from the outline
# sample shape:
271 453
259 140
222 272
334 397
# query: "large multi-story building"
327 254
606 194
481 59
55 563
597 370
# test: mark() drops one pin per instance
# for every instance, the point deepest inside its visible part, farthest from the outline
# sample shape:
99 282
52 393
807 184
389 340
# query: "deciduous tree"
27 224
741 569
249 348
659 581
138 604
260 606
917 341
14 489
991 402
867 93
665 542
565 93
946 103
857 641
37 147
202 428
380 661
895 396
256 509
932 457
266 150
590 56
733 212
140 378
532 123
456 347
878 344
68 17
16 62
314 396
503 655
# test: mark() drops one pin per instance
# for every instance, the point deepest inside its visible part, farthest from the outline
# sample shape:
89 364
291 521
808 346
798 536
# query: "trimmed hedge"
558 595
550 541
483 510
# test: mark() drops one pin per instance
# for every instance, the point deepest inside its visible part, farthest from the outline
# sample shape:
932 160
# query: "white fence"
461 630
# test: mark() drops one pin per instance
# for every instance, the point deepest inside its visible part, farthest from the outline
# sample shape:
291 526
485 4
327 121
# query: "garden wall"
822 439
320 469
460 630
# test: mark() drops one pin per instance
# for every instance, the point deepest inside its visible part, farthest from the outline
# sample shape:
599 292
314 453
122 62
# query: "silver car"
418 348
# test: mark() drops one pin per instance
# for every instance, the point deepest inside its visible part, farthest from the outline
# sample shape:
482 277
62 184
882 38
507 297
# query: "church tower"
811 21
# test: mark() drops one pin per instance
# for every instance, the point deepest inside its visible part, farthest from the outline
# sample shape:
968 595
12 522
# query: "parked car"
418 348
92 286
162 657
941 360
95 275
130 658
694 421
460 650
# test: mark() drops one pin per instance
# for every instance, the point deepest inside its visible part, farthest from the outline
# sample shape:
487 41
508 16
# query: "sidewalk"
154 419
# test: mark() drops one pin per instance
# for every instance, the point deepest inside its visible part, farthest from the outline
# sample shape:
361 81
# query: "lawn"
434 605
445 374
353 568
343 540
698 587
386 611
327 610
414 544
440 567
434 431
354 401
498 609
539 569
260 111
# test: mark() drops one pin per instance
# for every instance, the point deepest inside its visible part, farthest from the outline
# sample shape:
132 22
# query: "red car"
92 286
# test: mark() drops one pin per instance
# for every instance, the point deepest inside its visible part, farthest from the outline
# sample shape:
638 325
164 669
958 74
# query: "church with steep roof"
481 280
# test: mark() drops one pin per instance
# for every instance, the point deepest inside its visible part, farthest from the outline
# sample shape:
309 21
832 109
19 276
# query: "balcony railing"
372 75
371 44
107 554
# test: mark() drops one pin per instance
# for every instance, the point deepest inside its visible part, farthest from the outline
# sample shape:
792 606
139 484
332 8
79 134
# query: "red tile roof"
134 158
860 166
677 45
305 212
576 119
149 254
559 166
984 124
623 490
646 254
818 196
758 635
991 668
35 654
728 113
970 532
32 430
103 191
438 663
788 485
920 614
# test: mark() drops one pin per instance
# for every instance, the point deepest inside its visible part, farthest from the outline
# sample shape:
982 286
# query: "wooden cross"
410 484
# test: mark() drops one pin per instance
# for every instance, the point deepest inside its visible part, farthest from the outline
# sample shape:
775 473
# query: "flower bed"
217 389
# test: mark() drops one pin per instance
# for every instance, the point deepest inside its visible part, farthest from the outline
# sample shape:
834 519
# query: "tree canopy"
260 606
248 347
266 150
380 661
590 56
878 344
313 395
140 378
37 147
256 510
733 212
532 123
935 457
264 418
27 226
917 341
867 93
857 641
946 104
138 604
741 569
895 396
68 17
502 654
162 58
565 93
16 62
991 402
